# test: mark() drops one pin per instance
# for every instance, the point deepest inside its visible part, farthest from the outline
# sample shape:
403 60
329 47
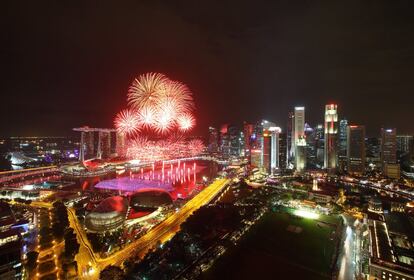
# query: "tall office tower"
388 145
390 167
310 146
320 144
299 135
290 139
356 149
343 143
90 144
299 123
270 161
282 151
213 138
120 145
266 151
104 146
300 155
404 145
234 141
331 131
224 145
373 148
275 148
248 130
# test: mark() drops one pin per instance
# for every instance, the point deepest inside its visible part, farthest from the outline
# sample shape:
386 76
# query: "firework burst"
127 122
160 107
185 122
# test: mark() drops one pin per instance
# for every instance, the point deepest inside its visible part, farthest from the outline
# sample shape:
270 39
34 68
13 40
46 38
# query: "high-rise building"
373 149
356 149
390 167
212 140
282 151
290 140
266 152
120 144
310 146
320 145
105 144
270 148
388 145
10 245
342 145
300 139
224 145
331 131
299 123
275 148
300 155
248 130
235 141
404 145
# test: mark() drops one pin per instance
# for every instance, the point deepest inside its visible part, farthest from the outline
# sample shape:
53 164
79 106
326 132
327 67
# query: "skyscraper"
404 145
299 139
275 148
270 148
212 140
235 140
342 144
300 157
247 133
356 149
224 145
390 167
331 131
388 145
290 139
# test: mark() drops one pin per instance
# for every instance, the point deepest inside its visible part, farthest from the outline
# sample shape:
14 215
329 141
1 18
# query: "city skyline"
264 59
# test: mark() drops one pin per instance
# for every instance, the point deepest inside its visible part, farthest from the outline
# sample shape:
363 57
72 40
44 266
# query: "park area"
282 246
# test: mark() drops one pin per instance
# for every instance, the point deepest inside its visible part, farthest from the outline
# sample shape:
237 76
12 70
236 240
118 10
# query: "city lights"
306 214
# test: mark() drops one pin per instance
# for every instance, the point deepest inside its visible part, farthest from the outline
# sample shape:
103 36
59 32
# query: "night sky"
64 66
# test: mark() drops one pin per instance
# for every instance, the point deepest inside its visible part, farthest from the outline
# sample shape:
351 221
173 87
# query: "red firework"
127 122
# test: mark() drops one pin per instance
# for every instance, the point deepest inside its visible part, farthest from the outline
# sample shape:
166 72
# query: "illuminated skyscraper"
299 123
299 139
224 145
342 144
390 167
405 145
248 130
212 140
356 149
120 144
270 148
331 131
343 125
290 139
388 146
300 155
275 148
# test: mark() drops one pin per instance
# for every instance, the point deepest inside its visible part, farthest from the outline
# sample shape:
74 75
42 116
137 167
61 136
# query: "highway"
88 261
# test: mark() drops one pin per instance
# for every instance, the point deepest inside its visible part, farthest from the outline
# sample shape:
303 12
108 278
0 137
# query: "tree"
112 273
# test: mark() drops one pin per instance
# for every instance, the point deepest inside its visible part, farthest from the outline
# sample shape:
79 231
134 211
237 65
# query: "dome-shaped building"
108 215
